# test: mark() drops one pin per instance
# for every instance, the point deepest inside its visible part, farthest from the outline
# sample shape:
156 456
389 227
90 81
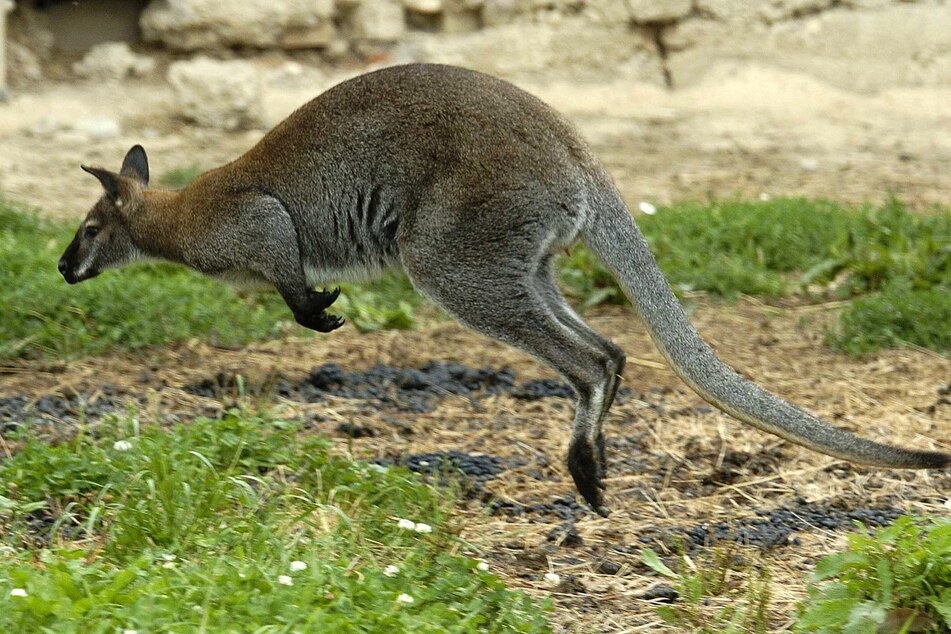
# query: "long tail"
614 237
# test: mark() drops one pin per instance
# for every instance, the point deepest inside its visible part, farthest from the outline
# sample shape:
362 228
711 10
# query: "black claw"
311 314
321 321
322 300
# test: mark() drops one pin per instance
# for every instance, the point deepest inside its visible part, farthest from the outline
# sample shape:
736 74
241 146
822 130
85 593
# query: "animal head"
104 239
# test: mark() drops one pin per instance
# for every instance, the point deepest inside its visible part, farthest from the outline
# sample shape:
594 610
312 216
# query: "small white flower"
122 445
18 592
168 565
391 570
285 580
553 578
424 528
765 197
297 566
408 525
404 598
483 566
647 208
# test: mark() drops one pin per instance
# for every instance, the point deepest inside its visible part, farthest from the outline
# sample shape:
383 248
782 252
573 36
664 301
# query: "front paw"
320 321
318 301
312 314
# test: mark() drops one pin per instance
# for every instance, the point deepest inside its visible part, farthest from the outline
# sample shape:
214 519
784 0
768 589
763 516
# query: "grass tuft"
717 594
895 580
235 524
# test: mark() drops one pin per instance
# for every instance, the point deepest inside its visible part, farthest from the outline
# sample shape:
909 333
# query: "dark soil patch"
388 387
56 409
564 508
479 467
773 528
470 471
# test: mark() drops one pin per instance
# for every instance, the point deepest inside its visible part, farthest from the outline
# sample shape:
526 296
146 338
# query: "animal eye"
91 232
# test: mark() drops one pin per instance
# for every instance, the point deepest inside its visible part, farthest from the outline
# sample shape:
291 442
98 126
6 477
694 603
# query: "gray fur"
471 186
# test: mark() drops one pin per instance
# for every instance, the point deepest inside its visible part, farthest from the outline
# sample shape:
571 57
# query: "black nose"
62 266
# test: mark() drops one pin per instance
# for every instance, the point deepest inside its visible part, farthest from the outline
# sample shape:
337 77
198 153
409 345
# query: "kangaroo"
472 186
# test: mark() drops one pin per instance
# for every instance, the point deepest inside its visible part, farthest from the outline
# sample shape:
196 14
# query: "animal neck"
158 228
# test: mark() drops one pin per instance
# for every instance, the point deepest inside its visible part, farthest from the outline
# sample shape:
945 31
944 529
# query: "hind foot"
588 468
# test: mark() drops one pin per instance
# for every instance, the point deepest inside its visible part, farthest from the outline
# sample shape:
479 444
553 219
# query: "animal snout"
68 275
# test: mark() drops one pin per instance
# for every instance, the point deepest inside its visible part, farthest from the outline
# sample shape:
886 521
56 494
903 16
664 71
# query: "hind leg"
501 298
548 289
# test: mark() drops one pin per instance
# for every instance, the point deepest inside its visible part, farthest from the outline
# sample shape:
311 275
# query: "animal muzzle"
67 271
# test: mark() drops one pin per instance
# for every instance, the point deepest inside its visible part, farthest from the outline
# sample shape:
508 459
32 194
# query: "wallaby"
472 186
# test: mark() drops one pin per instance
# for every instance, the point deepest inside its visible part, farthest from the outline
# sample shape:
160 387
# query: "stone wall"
856 44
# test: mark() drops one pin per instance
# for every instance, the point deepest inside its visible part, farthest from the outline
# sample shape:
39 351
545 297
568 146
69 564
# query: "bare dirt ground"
677 466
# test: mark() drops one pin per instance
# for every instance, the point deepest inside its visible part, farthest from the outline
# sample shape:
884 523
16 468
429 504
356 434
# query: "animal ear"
109 180
136 165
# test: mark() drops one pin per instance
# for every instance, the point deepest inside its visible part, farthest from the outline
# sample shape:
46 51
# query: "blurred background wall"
682 99
856 44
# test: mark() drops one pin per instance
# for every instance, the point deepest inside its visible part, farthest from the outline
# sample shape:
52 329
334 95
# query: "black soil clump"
55 409
542 388
565 509
475 466
469 471
388 387
773 528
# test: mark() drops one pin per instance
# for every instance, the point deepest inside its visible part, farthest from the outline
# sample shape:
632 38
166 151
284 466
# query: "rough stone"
897 45
379 21
22 64
504 12
112 61
98 128
866 4
730 11
459 17
217 94
320 36
426 7
786 9
658 11
575 48
211 24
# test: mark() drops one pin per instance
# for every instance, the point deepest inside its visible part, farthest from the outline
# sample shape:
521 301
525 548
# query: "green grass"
893 318
779 247
898 263
895 580
195 528
717 593
180 176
